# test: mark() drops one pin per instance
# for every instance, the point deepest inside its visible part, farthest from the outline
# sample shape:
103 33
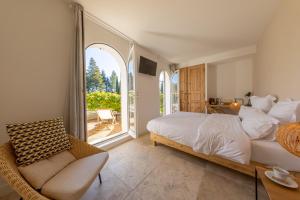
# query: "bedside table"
274 190
224 109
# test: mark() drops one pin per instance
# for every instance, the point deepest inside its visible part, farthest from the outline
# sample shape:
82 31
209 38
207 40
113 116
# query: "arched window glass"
164 93
131 94
175 92
106 93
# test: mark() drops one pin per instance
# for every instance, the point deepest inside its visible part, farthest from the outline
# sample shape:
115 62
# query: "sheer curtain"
77 116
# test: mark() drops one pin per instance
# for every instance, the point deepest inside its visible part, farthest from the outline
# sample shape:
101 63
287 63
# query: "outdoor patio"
99 130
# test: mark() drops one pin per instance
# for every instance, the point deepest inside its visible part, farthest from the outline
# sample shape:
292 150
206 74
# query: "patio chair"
106 116
84 153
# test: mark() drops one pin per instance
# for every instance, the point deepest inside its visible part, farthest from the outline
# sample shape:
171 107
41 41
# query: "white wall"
230 54
148 90
277 66
229 74
95 33
35 56
231 79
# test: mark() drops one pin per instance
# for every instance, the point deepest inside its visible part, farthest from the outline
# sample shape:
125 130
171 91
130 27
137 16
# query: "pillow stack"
262 103
286 111
262 119
248 112
256 123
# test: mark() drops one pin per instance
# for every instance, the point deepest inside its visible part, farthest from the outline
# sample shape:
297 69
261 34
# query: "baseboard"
114 142
143 133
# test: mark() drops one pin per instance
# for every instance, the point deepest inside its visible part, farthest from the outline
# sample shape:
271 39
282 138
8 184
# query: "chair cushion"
38 173
38 140
73 181
105 114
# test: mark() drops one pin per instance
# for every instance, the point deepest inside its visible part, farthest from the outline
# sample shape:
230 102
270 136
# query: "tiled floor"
136 170
139 171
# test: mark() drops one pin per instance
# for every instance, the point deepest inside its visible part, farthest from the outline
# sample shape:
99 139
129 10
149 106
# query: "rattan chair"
9 171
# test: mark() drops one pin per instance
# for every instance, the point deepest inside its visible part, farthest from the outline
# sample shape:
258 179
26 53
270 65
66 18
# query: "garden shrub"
103 100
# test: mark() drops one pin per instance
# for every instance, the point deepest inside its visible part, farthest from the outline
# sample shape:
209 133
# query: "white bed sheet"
181 127
273 154
214 134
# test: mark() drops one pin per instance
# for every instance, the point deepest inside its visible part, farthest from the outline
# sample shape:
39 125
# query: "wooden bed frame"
243 168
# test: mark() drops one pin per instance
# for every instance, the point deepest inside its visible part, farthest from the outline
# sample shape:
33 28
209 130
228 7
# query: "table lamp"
235 106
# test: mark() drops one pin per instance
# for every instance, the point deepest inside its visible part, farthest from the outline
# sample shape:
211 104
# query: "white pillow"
262 103
259 125
286 111
246 111
272 136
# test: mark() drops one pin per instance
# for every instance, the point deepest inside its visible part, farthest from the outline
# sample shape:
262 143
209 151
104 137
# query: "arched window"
131 93
164 93
106 93
175 92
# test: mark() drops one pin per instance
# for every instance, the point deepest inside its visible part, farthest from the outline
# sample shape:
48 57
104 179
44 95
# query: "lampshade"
235 106
288 136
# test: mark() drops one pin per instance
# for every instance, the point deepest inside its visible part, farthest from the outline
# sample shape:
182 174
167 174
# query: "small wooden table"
274 190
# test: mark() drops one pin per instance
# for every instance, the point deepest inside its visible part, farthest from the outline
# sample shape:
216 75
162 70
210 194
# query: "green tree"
94 80
106 82
118 87
114 82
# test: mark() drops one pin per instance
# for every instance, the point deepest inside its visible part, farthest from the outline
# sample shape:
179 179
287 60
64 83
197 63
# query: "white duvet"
215 134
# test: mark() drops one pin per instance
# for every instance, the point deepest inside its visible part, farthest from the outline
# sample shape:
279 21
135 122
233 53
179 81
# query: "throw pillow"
38 140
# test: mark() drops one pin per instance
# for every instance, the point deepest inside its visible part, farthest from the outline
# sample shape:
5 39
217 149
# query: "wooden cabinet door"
183 89
196 88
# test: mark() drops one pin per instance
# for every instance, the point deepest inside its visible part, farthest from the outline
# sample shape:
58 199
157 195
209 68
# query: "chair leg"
100 179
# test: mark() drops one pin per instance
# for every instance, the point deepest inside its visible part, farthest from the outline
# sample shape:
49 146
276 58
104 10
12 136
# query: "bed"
219 138
273 154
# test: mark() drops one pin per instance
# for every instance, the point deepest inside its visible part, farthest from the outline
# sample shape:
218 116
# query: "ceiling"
180 30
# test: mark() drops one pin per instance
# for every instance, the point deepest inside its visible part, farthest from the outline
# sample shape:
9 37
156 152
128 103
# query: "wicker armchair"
288 136
10 173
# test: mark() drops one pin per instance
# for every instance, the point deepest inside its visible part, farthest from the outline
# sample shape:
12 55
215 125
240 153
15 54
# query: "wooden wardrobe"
192 88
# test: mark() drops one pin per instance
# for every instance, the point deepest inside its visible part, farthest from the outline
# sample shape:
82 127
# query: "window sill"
113 142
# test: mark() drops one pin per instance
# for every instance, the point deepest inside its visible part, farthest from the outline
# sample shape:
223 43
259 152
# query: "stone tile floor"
136 170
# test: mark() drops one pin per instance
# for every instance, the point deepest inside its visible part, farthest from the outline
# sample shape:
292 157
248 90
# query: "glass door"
175 92
131 94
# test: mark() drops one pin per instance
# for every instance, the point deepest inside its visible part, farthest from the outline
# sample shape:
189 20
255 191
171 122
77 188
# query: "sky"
104 60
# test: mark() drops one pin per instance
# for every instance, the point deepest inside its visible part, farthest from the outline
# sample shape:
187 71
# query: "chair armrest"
81 149
10 173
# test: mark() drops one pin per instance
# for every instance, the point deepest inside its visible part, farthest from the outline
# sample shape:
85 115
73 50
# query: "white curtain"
77 116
